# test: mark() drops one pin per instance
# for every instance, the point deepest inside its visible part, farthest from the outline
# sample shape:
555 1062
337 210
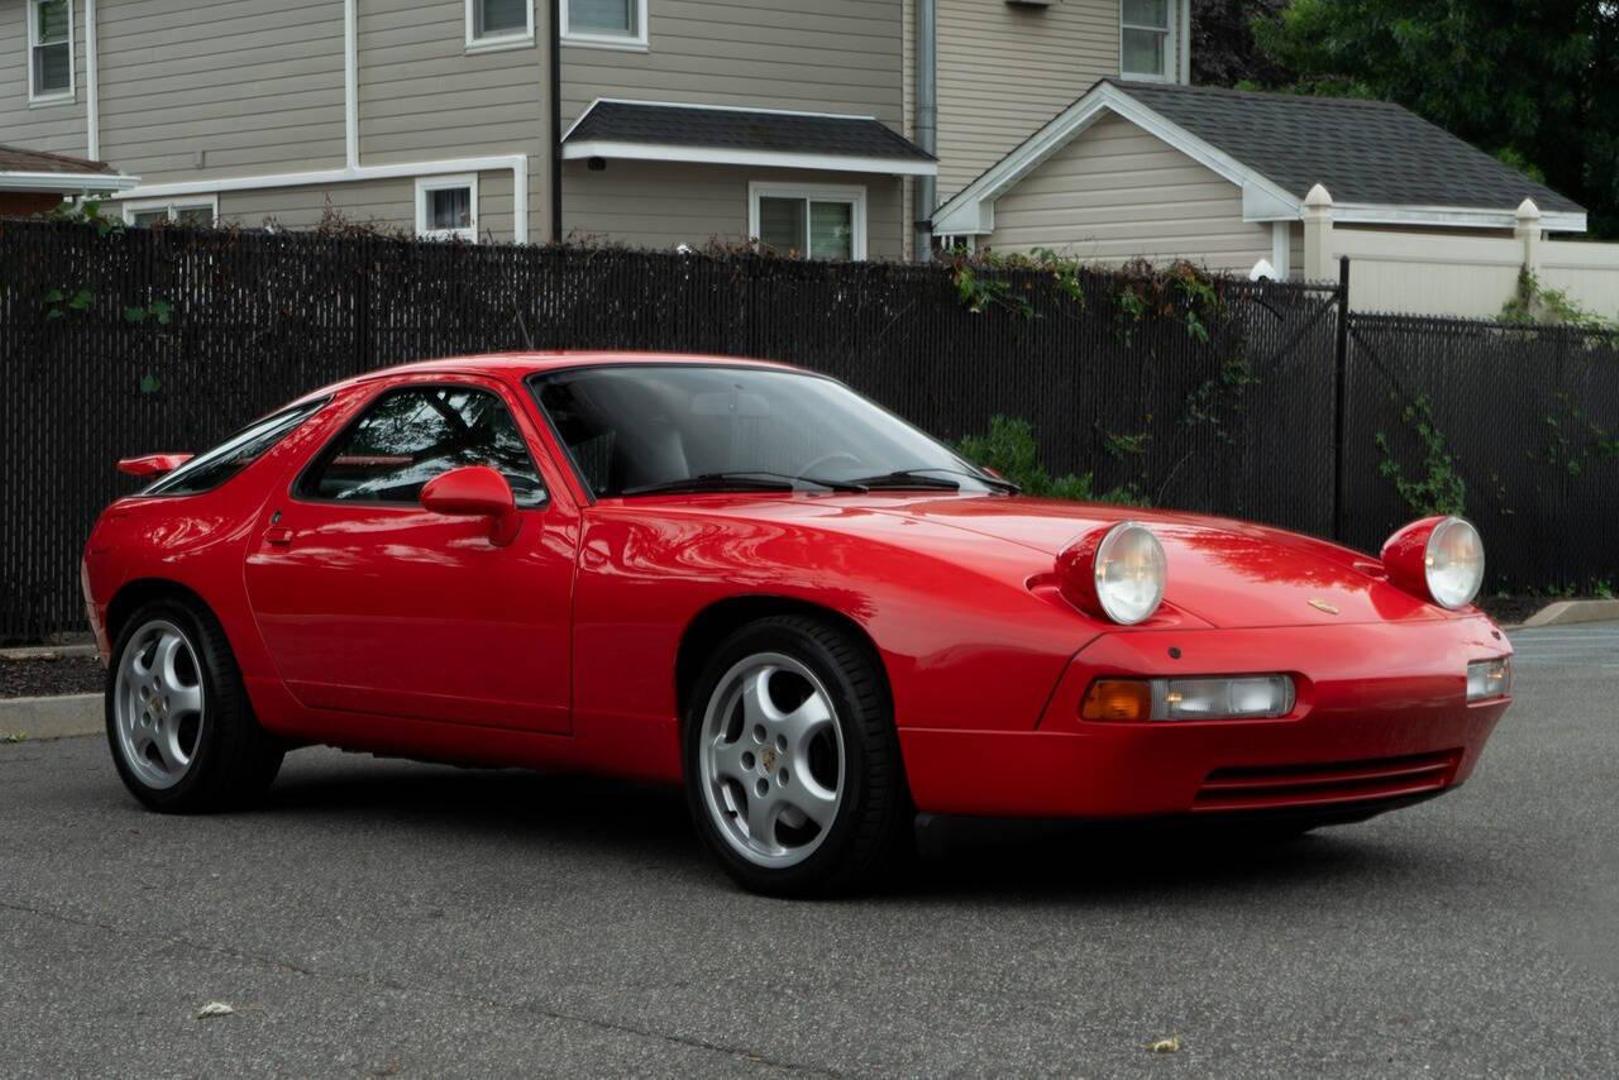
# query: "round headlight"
1439 559
1454 563
1117 572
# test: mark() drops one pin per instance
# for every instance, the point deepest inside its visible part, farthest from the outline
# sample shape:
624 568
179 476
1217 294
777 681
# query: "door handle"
278 534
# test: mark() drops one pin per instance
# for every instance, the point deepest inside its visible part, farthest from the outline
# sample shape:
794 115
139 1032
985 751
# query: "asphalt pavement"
389 918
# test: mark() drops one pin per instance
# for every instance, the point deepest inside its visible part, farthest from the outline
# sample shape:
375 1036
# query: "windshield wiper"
742 480
919 477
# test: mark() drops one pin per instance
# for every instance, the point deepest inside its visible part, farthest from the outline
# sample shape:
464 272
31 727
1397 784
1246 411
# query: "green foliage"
1537 84
87 212
1439 488
1010 449
1533 304
1573 439
58 302
159 311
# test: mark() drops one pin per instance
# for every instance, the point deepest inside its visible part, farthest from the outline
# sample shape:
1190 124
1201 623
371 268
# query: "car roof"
521 364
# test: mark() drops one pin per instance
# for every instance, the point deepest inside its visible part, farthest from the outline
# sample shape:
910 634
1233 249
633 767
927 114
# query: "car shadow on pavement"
649 827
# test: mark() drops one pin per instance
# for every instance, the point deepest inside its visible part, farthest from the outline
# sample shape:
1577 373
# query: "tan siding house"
1119 194
442 116
1251 183
1007 68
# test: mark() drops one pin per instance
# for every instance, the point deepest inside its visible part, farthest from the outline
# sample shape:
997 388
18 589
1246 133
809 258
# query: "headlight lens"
1488 679
1454 563
1248 697
1130 573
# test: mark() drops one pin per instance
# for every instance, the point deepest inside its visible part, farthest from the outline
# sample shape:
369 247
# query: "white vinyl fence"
1468 275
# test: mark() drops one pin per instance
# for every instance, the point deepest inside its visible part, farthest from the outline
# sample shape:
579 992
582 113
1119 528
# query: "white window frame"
636 42
426 184
132 207
849 193
54 97
516 39
1171 72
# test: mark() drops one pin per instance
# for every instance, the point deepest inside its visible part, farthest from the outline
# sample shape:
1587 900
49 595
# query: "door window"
410 435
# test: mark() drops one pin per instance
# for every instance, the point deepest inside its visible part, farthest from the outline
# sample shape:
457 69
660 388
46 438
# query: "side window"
409 436
207 471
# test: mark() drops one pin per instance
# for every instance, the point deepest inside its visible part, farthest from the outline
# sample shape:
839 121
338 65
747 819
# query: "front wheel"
182 731
793 771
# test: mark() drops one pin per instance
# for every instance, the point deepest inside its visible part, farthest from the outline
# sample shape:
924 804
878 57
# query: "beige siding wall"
1005 70
231 88
836 56
55 128
1117 193
388 203
424 97
652 205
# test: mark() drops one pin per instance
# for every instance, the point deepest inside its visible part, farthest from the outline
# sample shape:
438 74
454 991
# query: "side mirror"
152 464
476 491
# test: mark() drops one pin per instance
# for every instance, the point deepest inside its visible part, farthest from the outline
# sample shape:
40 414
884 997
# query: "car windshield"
645 428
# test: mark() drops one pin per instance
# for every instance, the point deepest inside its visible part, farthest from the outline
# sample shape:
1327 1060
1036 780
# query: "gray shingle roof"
738 129
1361 151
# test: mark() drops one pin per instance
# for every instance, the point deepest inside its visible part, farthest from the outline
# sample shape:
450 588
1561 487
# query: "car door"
369 603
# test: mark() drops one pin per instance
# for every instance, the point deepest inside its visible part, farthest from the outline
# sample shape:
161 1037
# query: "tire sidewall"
213 701
783 637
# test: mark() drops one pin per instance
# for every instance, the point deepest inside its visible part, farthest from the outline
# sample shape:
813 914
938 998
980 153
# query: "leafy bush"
1010 449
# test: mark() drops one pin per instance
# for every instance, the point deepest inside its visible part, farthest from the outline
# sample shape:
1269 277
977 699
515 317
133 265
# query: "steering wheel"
824 459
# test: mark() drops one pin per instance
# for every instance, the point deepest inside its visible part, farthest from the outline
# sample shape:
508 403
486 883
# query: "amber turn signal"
1118 700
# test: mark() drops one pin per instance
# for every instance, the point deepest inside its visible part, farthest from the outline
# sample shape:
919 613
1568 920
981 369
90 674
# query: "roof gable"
1393 167
1371 152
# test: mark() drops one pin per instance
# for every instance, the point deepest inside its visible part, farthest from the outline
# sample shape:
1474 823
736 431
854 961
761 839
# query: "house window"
447 208
499 24
613 24
50 50
1146 42
144 213
813 221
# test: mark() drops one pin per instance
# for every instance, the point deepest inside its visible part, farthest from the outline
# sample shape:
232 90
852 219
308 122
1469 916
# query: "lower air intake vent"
1268 787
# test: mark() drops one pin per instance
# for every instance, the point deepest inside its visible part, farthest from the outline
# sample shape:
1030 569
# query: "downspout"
556 122
927 122
351 84
1184 61
92 97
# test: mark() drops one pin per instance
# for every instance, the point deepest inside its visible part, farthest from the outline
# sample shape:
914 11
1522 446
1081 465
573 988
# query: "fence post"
1339 402
1317 235
1527 230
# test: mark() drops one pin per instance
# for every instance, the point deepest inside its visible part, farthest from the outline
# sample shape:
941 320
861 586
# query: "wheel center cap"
768 759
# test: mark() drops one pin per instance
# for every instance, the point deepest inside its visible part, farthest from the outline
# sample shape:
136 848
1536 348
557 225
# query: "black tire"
234 760
875 819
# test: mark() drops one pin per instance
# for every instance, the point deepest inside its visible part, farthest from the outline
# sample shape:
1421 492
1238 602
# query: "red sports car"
747 579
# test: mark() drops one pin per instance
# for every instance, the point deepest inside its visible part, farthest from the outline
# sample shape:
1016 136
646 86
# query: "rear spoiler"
152 464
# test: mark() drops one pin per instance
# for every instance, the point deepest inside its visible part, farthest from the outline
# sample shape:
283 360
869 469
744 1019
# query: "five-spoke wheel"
182 731
158 703
792 763
772 759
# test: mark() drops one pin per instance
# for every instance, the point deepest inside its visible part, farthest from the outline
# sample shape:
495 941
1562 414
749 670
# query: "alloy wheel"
158 704
772 760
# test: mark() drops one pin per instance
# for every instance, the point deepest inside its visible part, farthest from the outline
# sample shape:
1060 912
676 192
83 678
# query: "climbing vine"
1438 488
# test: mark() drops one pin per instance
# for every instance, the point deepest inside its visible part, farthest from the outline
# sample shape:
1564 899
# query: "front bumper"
1381 719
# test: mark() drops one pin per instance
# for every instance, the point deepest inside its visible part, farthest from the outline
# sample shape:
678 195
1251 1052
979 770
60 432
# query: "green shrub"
1010 449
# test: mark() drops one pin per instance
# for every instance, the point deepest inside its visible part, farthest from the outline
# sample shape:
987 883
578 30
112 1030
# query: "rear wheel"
793 770
183 735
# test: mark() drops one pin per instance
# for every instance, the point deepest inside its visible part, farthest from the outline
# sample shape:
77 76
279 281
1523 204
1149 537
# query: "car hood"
1227 573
